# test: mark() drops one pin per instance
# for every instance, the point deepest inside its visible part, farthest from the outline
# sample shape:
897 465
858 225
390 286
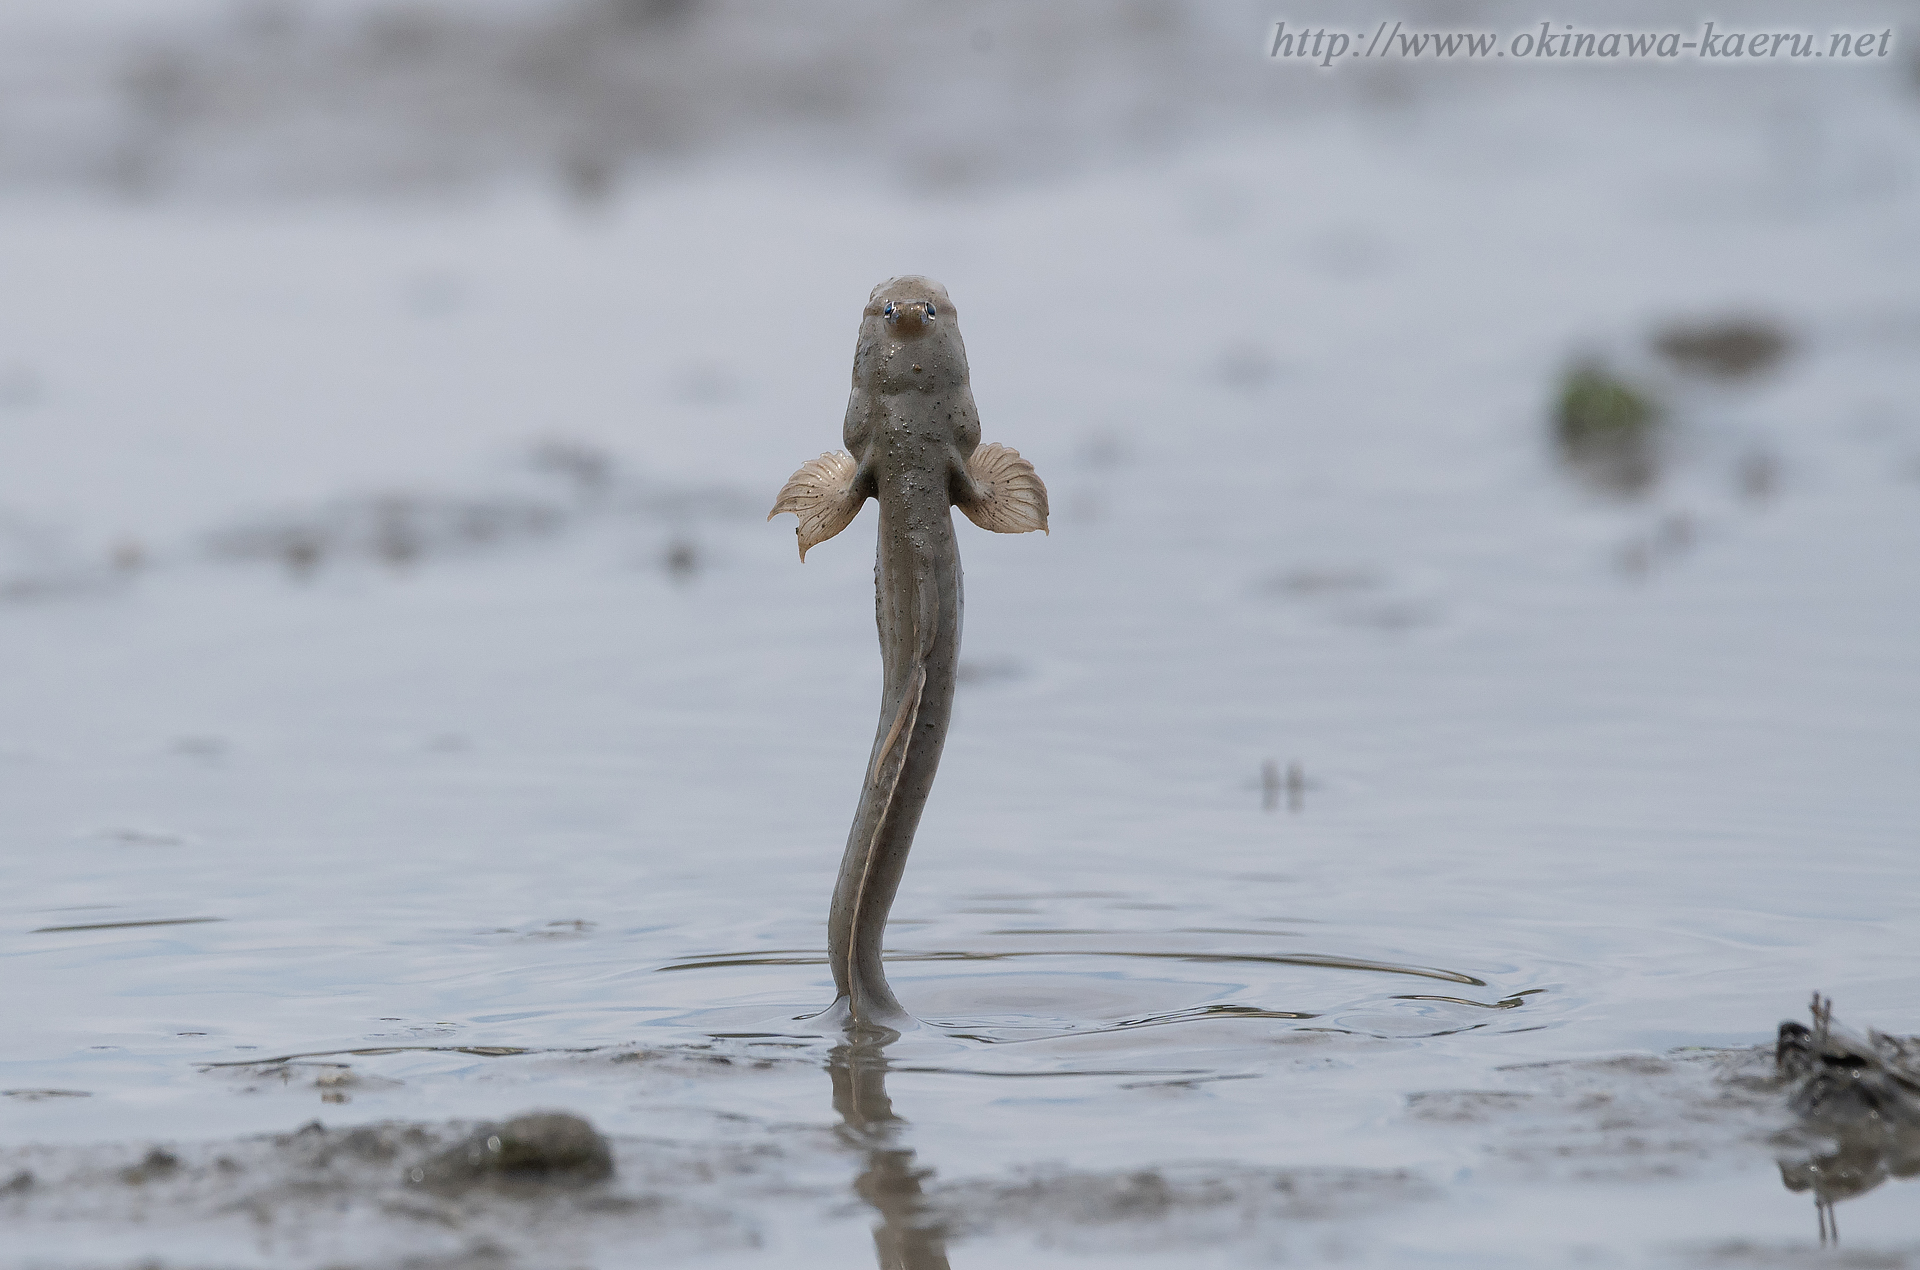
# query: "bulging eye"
930 311
889 309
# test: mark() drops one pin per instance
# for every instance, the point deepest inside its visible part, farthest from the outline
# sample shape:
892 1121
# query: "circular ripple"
1034 994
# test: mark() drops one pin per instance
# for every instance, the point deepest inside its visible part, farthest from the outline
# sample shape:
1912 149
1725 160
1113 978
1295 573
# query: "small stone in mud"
545 1147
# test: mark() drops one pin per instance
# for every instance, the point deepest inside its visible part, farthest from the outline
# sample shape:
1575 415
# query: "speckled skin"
911 425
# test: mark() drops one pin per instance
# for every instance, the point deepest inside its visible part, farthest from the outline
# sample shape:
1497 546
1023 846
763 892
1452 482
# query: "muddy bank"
548 1189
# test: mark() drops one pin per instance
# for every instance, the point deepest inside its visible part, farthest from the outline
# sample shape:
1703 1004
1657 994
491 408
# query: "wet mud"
1838 1112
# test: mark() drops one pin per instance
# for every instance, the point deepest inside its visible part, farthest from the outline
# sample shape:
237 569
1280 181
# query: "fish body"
913 446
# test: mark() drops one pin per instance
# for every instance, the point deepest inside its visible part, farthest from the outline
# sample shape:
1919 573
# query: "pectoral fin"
1011 498
821 495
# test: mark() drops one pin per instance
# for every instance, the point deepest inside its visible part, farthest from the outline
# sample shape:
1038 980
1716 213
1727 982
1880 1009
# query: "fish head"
911 365
911 309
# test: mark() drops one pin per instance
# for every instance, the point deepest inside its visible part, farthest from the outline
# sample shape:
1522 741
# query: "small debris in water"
1724 348
331 1082
1607 430
143 837
564 927
682 560
299 550
588 467
158 921
1271 785
561 928
396 529
1316 582
1673 535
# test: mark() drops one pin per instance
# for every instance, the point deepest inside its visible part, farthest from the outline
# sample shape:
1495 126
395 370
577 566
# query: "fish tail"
866 977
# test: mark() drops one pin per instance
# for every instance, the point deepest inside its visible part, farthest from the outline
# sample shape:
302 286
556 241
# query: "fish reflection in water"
908 1237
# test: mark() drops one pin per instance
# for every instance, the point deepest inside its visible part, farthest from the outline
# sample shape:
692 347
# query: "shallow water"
550 819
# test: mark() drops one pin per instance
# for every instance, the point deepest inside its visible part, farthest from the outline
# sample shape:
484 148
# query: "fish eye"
930 311
889 309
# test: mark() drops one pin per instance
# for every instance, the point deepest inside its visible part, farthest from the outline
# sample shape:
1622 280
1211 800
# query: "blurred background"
1486 505
156 156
